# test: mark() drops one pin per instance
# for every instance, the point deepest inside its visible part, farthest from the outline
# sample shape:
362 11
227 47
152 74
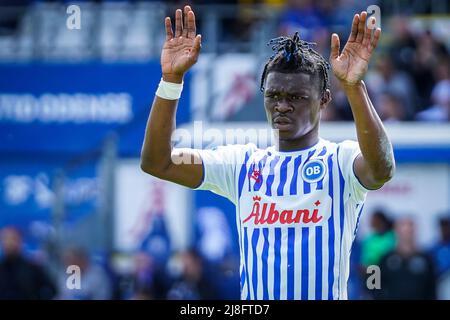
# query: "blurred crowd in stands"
406 270
183 275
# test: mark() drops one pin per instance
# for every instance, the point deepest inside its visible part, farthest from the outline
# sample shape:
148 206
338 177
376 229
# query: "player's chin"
284 132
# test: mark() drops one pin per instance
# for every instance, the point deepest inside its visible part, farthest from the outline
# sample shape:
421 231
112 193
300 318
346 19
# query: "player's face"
293 103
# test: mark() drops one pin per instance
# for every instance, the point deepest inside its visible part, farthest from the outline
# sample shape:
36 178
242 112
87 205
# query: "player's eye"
298 97
272 95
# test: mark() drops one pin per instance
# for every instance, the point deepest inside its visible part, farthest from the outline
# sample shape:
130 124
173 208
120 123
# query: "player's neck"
305 142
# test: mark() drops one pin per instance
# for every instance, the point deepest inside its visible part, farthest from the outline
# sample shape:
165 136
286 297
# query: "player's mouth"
282 123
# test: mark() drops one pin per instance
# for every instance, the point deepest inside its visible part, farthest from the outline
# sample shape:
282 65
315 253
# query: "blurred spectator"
21 279
189 281
406 272
429 54
442 69
416 54
440 110
386 78
225 276
213 233
95 283
441 256
440 95
403 45
153 228
143 277
302 16
339 108
148 281
441 251
391 108
380 241
12 11
375 246
356 277
157 241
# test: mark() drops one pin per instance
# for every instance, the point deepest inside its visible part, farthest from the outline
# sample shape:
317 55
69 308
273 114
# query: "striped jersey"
296 213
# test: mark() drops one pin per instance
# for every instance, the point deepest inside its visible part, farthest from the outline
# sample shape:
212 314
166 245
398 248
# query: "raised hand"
351 65
181 51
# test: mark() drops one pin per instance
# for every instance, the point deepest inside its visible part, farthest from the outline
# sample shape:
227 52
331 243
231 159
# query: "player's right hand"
181 50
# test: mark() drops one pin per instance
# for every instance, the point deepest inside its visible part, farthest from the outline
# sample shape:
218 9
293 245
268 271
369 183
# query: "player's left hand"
351 65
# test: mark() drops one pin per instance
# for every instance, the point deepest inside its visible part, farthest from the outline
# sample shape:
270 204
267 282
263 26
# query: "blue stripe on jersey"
283 175
277 264
264 255
260 179
319 263
305 263
310 154
357 219
246 262
271 176
290 263
242 174
242 279
251 169
357 224
322 153
255 238
330 231
320 182
293 189
341 216
307 185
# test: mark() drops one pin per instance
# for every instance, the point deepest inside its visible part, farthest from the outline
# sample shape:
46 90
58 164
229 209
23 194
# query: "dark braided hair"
293 55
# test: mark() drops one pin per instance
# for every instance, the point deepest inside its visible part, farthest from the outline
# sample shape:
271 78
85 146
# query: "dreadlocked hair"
293 55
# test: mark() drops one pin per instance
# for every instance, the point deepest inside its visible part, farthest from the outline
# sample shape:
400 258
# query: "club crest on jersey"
313 170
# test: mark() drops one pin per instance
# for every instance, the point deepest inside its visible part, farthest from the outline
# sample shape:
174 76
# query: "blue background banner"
27 193
71 108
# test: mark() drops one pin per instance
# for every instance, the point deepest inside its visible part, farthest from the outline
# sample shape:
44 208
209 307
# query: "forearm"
156 149
157 146
374 143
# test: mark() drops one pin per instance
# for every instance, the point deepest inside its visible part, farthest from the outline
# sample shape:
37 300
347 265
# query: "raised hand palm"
351 65
181 51
176 56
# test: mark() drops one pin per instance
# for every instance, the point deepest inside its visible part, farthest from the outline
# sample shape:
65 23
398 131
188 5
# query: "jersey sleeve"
348 151
220 166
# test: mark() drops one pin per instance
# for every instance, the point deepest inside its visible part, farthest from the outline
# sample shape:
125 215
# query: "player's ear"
326 99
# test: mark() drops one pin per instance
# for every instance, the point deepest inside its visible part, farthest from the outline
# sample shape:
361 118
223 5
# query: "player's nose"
283 106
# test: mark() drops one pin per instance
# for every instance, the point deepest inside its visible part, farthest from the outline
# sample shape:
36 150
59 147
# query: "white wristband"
169 90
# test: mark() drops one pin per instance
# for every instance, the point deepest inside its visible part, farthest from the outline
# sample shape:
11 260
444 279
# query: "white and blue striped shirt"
297 214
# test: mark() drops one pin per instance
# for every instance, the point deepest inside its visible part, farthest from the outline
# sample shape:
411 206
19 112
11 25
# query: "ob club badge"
313 170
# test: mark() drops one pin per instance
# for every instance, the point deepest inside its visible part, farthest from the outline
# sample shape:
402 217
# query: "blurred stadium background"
73 108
